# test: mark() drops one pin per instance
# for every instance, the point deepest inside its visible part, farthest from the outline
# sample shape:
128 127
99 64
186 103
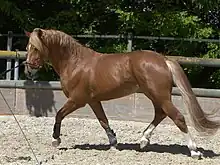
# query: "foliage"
173 18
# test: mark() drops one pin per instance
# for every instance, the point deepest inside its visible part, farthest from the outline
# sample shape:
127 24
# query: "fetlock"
111 136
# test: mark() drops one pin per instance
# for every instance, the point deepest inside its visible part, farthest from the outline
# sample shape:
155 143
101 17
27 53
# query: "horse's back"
120 74
112 77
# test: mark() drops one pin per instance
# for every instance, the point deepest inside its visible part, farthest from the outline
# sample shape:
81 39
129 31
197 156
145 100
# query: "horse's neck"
62 63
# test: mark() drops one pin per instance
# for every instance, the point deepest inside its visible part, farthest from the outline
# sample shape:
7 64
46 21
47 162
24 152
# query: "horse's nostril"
29 72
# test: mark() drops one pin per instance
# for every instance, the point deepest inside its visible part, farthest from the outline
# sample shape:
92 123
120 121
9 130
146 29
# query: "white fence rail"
55 85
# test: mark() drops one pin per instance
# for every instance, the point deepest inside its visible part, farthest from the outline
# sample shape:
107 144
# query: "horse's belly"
123 90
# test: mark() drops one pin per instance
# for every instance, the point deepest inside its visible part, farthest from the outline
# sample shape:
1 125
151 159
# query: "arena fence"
45 98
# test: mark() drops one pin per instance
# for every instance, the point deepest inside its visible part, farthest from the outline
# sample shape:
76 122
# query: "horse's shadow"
158 148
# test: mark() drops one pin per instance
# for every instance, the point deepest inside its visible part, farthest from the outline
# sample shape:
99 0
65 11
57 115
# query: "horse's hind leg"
158 117
179 120
161 97
100 114
156 83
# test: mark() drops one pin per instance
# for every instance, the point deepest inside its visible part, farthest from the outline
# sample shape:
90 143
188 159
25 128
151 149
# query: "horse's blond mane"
56 38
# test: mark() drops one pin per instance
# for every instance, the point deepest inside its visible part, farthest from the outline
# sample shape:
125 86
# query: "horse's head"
36 52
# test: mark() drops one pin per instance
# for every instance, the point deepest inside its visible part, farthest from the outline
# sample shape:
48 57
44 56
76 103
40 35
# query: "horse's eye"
34 48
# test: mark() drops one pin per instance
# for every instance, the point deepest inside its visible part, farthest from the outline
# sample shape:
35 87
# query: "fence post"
129 45
9 48
129 49
16 71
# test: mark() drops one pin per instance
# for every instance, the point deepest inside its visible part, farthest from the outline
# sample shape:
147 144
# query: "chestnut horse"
89 77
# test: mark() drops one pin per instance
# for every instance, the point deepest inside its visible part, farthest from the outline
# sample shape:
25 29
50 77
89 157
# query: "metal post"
129 49
129 45
16 71
9 48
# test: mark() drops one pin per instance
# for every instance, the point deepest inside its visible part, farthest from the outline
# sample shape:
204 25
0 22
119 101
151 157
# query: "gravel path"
84 142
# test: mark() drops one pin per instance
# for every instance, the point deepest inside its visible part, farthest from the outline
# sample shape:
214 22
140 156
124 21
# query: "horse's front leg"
100 114
68 108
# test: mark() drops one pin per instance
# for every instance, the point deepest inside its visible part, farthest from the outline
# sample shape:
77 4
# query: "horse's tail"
202 121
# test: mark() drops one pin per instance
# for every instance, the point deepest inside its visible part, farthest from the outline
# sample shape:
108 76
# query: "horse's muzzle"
31 73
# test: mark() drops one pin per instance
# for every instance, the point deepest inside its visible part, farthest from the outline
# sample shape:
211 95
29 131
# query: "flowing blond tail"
201 121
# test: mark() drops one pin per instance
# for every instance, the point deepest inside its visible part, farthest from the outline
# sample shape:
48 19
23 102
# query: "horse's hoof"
113 148
56 142
144 143
111 137
113 142
196 154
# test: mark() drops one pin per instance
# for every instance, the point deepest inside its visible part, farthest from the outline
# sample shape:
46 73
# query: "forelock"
35 41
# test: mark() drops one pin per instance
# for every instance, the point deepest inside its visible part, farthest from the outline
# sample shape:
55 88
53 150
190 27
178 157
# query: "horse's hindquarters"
152 75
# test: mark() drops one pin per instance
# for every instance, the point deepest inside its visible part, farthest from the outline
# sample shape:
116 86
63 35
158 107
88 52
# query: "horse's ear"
38 31
27 33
